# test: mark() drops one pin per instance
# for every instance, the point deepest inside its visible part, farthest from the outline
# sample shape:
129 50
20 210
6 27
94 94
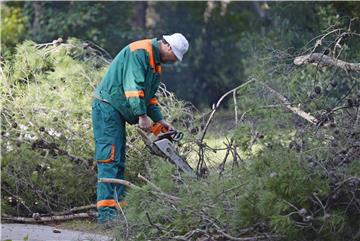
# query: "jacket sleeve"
134 83
153 110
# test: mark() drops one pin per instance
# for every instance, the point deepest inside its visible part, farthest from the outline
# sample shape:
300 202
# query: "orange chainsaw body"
158 128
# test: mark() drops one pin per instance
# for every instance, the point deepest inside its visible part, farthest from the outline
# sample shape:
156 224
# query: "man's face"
166 54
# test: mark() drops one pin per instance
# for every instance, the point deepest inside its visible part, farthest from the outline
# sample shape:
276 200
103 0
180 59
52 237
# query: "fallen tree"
283 176
300 184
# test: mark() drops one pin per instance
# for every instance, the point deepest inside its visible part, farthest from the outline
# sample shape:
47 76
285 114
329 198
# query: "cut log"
75 209
38 219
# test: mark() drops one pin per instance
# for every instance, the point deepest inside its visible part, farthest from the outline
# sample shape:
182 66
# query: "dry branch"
148 181
173 198
130 185
295 110
235 108
158 227
201 161
221 235
126 232
216 107
38 219
43 144
118 181
325 60
255 238
75 209
16 197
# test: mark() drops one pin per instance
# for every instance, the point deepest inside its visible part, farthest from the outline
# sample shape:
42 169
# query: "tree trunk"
37 8
139 17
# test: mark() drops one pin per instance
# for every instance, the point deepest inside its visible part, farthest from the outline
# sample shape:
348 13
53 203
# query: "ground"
74 231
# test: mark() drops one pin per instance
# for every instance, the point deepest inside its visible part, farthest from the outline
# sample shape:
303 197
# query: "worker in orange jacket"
127 94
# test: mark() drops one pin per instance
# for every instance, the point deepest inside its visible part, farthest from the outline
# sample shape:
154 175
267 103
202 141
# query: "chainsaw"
161 142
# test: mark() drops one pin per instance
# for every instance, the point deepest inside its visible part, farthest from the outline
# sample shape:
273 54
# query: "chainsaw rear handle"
174 136
177 136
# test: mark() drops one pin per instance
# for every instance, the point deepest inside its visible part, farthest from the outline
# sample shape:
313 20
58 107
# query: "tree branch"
118 181
295 110
171 197
130 185
216 107
325 60
38 219
75 209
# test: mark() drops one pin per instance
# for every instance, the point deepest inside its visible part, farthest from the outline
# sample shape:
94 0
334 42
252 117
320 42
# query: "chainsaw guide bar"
163 145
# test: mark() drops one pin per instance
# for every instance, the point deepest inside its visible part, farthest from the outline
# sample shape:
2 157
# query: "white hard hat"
178 44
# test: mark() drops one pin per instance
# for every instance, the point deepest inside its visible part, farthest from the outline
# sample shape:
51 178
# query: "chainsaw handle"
173 135
177 136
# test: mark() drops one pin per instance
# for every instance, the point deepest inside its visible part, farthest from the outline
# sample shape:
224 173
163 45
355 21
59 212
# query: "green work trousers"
110 143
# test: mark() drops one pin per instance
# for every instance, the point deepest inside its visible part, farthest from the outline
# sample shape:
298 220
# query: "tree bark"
259 10
325 60
37 8
139 17
38 219
295 110
75 209
118 181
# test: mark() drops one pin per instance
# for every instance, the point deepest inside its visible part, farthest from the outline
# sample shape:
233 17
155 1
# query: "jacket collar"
156 52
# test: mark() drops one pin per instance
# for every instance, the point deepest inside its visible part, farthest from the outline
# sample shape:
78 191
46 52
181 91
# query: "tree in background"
223 35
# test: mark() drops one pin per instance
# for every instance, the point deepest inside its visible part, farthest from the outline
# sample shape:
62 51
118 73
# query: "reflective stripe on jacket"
132 80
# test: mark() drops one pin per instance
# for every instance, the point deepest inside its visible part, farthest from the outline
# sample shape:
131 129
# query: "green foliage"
47 140
46 95
85 20
300 182
294 179
225 38
273 192
13 26
42 186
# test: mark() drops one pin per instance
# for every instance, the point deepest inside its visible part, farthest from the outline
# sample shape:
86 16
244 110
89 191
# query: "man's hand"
144 123
166 125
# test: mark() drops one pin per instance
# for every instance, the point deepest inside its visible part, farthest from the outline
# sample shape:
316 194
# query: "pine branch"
158 189
295 110
325 60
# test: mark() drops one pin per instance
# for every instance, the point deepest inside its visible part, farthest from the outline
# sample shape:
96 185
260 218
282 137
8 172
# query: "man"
127 94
